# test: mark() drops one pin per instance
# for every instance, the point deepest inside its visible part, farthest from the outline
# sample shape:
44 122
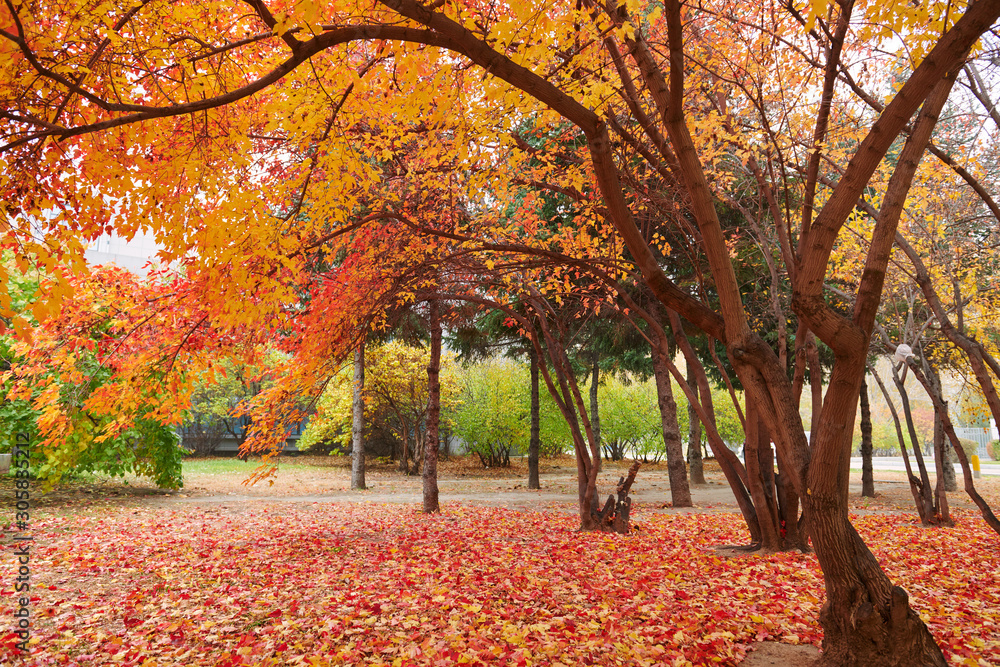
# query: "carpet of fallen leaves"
335 584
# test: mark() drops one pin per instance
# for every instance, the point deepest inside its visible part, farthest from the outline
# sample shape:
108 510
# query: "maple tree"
86 411
272 111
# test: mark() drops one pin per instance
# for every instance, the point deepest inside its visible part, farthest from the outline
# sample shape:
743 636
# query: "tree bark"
695 468
433 414
949 429
927 513
942 464
756 450
867 474
680 492
358 421
595 411
915 487
534 443
942 460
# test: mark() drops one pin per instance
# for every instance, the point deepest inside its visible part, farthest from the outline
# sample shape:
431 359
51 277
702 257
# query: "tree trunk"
404 459
731 467
534 443
695 468
942 458
595 413
358 421
949 429
915 484
433 414
680 492
867 474
866 620
927 514
942 464
757 447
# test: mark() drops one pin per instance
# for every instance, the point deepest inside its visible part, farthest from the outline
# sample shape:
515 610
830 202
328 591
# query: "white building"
133 255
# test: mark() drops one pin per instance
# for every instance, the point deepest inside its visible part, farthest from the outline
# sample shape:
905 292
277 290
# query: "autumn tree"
262 105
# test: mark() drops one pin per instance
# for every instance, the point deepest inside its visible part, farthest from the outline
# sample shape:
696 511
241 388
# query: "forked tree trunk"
358 421
534 443
433 414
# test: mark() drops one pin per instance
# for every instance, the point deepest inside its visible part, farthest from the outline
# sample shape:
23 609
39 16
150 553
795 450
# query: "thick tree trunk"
535 441
867 473
680 492
433 414
358 421
866 620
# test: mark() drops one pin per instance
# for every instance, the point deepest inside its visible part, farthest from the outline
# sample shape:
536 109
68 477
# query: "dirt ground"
311 479
463 480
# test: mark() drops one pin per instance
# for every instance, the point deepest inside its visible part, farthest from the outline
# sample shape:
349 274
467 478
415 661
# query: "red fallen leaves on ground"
333 584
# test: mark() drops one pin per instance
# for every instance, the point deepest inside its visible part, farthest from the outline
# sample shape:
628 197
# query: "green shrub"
971 447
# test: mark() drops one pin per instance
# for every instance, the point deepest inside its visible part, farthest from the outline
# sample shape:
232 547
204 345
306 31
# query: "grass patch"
219 466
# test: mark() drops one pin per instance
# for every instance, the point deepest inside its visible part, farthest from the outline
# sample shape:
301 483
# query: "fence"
980 435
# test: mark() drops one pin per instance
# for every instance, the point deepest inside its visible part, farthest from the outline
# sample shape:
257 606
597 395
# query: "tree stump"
614 516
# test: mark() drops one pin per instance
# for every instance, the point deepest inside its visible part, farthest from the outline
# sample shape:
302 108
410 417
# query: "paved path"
893 463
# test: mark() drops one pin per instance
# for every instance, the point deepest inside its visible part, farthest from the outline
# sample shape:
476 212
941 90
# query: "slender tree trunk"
762 494
949 429
433 414
695 467
404 459
680 492
731 467
926 497
595 412
941 463
535 442
815 380
358 421
867 474
915 489
942 458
